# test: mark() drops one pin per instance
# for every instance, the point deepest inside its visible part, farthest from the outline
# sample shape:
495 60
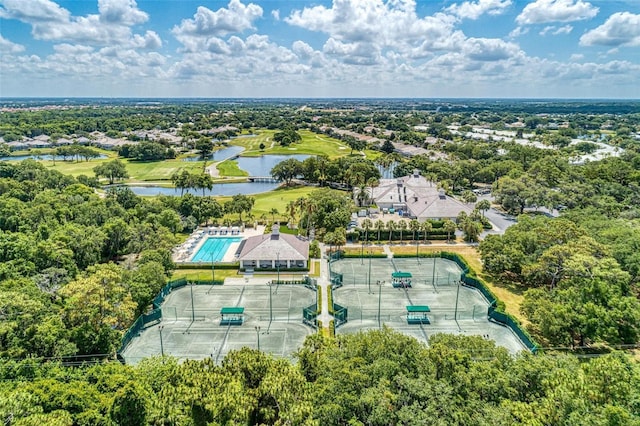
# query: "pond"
220 154
44 157
224 189
261 166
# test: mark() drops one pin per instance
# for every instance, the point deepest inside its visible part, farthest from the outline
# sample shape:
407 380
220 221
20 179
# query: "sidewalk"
324 283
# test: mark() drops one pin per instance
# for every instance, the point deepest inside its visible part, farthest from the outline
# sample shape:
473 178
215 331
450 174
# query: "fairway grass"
230 168
311 144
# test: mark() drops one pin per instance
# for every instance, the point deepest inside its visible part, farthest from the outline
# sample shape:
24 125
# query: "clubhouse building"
417 198
273 251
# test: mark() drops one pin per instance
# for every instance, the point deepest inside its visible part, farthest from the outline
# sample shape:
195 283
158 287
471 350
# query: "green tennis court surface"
372 301
197 333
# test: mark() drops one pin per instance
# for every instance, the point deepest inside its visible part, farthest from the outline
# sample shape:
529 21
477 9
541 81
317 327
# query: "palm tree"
391 226
379 225
362 195
483 206
450 227
273 212
426 227
414 226
366 225
402 225
291 211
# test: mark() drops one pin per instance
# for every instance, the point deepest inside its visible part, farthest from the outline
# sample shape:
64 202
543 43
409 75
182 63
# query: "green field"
161 171
278 199
311 144
230 168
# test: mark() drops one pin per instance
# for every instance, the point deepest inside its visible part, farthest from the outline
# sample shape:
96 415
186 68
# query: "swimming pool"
214 249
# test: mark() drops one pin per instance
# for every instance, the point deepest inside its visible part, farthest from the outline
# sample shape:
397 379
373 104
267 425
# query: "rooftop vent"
416 173
275 229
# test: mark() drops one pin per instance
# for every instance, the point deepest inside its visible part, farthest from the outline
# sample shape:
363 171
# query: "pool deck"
187 250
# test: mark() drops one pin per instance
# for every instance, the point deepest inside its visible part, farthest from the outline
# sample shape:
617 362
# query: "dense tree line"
75 267
374 378
581 282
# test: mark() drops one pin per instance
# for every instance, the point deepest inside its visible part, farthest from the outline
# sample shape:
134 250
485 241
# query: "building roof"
421 198
273 246
418 308
230 310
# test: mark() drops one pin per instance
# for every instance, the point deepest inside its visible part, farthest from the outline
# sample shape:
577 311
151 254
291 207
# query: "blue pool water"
214 249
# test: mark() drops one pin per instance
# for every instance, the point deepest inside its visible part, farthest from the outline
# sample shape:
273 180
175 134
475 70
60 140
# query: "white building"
417 198
270 251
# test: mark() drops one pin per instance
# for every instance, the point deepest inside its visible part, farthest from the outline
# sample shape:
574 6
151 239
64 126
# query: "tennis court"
191 322
372 301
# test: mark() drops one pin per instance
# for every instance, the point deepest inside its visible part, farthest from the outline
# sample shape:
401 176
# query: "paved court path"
324 283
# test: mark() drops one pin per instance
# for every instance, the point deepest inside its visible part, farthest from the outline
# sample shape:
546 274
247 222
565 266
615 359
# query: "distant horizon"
320 98
320 49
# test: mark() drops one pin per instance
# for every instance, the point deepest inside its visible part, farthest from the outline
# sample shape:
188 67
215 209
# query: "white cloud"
151 41
620 29
518 31
543 11
473 10
51 22
236 19
576 57
7 46
489 49
566 29
34 11
276 14
552 29
122 12
386 24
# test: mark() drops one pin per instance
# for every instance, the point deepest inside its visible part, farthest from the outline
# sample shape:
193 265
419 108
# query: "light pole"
257 328
213 271
193 313
160 327
362 254
379 302
433 273
369 277
278 265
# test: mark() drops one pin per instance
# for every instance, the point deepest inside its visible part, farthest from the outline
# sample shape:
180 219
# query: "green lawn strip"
204 273
315 269
230 168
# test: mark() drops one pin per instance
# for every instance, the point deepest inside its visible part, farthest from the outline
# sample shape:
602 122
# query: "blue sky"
321 48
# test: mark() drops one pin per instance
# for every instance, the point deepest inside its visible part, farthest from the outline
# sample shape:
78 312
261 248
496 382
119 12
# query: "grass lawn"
374 249
204 274
279 199
230 168
314 268
312 144
139 171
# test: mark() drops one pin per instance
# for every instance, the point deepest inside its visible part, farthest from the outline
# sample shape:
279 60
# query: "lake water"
43 157
221 154
261 166
227 189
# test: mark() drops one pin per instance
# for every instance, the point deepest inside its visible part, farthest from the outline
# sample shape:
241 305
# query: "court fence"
155 315
468 277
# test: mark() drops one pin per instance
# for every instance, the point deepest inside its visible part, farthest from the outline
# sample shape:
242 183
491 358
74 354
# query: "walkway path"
324 283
